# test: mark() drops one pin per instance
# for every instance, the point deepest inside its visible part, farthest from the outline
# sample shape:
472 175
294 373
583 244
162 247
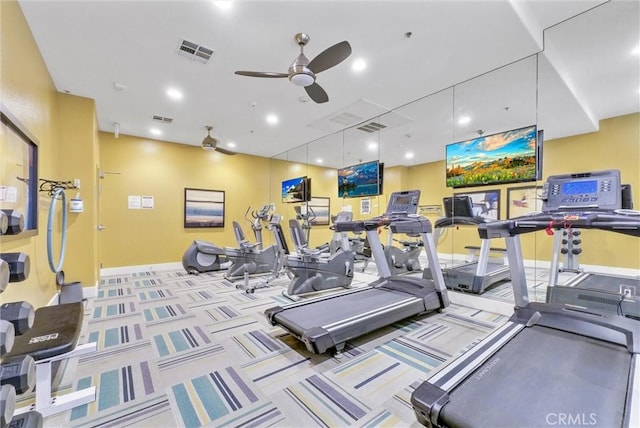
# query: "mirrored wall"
410 142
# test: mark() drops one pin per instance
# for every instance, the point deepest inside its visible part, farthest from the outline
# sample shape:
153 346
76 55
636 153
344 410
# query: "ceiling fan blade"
330 57
261 74
316 93
224 151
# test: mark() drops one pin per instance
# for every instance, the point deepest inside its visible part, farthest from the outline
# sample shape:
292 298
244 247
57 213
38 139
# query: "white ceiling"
585 72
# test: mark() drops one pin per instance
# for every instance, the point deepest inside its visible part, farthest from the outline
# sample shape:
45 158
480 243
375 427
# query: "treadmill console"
592 191
403 203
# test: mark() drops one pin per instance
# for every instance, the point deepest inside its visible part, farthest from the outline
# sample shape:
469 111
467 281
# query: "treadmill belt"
471 268
609 283
544 377
330 310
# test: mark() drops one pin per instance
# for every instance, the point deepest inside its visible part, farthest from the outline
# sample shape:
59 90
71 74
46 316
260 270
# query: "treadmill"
550 364
474 276
597 290
327 323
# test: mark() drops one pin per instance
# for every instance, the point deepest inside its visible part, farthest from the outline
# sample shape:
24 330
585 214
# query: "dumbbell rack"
566 243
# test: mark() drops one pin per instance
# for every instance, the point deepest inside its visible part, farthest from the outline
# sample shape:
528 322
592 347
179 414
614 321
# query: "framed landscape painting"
203 208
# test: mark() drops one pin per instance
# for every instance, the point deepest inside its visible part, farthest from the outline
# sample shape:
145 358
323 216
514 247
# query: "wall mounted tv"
360 180
296 190
508 157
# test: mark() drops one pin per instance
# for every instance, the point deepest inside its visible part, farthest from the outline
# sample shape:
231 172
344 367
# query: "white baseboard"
122 270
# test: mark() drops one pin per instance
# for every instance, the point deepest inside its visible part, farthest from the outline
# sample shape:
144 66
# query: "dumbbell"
7 336
576 241
5 273
20 314
19 372
576 251
19 265
15 222
7 404
4 222
30 419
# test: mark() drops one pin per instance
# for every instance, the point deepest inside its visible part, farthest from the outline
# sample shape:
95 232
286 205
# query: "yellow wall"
136 166
77 158
614 146
70 147
28 94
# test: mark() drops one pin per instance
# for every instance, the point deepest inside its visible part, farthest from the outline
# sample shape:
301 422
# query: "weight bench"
53 337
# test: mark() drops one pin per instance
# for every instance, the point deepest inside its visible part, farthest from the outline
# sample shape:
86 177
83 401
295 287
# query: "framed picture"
203 208
523 200
485 204
19 171
321 209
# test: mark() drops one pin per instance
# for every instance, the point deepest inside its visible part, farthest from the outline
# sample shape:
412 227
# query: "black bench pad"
56 330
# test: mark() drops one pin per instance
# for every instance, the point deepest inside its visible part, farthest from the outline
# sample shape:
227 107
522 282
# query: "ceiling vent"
162 119
346 119
194 51
371 127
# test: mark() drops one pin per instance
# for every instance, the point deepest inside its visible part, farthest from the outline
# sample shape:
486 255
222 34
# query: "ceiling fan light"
302 79
208 147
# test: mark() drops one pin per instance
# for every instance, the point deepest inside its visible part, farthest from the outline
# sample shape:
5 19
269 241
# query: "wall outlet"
628 291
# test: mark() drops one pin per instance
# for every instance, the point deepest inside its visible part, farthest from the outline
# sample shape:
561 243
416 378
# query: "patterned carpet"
181 350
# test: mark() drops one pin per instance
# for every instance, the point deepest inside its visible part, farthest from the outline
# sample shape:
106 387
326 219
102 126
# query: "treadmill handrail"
459 221
581 321
608 221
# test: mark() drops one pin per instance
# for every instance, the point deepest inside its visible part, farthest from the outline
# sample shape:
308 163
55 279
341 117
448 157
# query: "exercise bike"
315 270
405 259
250 258
278 268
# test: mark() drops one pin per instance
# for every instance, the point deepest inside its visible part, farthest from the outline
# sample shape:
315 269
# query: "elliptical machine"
203 256
250 258
314 270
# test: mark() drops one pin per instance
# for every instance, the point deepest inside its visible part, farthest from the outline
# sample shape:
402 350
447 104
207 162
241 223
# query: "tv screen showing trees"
507 157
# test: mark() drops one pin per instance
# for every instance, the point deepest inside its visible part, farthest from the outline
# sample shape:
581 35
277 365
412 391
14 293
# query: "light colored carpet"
180 350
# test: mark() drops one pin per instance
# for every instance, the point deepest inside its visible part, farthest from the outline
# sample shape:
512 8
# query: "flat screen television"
359 180
296 190
508 157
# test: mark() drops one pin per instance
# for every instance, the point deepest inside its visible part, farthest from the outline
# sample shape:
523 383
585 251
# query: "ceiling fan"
302 72
211 144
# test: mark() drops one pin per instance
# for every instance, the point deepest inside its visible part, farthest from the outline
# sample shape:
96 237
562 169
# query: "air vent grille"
371 127
194 51
162 119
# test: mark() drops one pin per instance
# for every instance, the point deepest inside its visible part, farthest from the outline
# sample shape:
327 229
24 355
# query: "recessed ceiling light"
409 155
174 94
223 4
372 145
155 131
231 144
464 120
359 64
636 50
272 119
319 160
